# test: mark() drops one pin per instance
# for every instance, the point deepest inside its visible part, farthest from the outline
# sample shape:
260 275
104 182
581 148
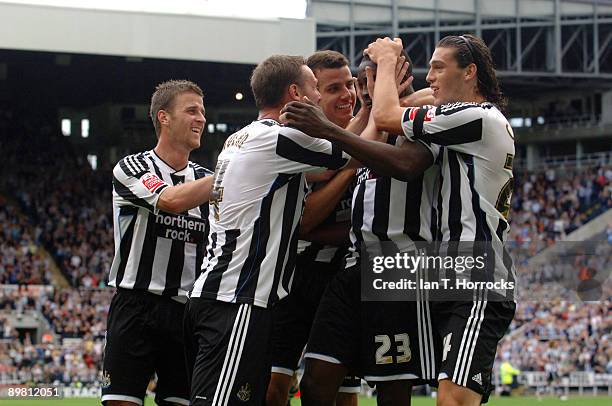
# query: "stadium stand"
55 210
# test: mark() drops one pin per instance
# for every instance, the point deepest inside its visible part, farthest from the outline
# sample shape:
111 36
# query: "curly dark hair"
471 49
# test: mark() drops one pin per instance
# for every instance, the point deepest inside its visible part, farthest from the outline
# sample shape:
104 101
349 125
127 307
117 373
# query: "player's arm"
180 198
321 202
386 108
297 152
336 234
419 98
362 118
324 176
403 162
136 186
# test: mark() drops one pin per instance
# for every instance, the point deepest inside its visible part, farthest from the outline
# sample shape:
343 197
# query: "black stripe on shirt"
145 266
382 196
483 233
127 194
128 170
156 168
417 124
454 202
412 213
213 279
124 250
357 214
288 232
462 134
249 274
291 150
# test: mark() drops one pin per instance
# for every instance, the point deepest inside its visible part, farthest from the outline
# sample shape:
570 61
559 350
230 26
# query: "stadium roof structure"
33 27
534 42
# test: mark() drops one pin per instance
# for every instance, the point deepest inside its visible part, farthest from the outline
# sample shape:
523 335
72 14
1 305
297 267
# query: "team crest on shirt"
106 379
244 393
151 182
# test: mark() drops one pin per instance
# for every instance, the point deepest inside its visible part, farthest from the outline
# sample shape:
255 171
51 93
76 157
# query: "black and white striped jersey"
258 197
477 152
155 251
388 209
329 254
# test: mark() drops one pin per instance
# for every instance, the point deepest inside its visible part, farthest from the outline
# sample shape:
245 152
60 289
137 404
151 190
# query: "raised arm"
402 162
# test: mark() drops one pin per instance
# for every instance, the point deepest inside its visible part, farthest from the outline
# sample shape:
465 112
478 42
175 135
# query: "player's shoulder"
199 169
471 108
133 164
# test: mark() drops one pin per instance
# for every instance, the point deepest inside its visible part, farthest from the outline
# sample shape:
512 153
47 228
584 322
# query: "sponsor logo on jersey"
151 182
477 378
180 228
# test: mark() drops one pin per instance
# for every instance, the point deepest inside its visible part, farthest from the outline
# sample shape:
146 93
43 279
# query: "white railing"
586 160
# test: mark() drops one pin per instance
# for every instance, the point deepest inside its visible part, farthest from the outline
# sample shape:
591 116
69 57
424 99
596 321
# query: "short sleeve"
135 184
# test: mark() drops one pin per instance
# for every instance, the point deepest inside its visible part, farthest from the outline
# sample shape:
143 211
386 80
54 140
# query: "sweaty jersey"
476 156
388 209
155 251
258 196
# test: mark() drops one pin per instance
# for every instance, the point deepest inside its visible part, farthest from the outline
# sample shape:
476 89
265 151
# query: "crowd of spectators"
548 205
66 209
24 362
560 337
70 205
21 260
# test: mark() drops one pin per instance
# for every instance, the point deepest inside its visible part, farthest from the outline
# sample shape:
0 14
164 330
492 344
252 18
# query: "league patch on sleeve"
151 182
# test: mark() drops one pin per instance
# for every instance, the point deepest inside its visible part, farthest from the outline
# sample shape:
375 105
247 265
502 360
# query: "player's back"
257 202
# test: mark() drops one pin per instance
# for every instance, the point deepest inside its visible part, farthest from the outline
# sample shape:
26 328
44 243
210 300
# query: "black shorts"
293 317
227 348
144 337
397 342
379 341
336 329
468 335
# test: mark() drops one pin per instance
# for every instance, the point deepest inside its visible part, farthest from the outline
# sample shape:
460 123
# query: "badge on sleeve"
151 182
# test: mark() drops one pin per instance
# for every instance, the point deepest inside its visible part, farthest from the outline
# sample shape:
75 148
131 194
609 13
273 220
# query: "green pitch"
417 401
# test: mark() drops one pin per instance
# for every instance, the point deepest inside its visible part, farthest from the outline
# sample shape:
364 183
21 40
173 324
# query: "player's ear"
162 117
471 71
294 92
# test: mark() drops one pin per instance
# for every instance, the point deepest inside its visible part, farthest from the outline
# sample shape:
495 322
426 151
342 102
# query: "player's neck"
177 158
272 113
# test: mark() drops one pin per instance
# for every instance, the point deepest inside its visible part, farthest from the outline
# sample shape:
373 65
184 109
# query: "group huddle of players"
224 281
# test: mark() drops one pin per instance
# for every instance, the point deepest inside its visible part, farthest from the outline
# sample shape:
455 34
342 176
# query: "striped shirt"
258 197
329 254
477 152
388 209
155 251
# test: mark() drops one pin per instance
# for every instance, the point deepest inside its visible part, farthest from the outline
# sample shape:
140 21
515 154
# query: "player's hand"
400 72
306 117
384 47
370 81
363 101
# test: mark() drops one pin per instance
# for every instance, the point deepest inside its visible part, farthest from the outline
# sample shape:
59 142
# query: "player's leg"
172 376
128 352
332 351
394 393
292 319
278 389
470 332
232 363
451 394
321 381
349 391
